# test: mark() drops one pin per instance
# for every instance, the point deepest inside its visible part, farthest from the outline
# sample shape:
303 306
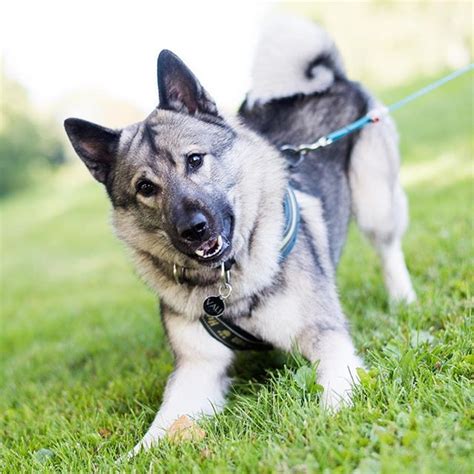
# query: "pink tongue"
209 245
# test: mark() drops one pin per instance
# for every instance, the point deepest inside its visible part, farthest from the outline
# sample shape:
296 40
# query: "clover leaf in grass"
305 378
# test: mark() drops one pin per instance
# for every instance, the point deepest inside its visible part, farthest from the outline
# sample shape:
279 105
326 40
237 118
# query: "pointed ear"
95 145
179 88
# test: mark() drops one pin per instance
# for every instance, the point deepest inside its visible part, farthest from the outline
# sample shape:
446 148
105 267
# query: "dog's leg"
337 362
380 205
199 383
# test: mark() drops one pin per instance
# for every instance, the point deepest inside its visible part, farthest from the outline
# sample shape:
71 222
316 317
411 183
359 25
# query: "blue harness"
292 223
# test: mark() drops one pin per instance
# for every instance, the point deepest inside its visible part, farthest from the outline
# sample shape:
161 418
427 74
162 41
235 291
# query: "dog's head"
169 177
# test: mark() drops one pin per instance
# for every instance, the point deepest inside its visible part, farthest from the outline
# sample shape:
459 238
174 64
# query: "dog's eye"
194 160
146 188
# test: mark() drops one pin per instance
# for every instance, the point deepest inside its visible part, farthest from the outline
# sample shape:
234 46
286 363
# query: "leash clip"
301 150
295 154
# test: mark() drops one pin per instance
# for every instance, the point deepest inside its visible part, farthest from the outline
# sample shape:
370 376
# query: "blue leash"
372 116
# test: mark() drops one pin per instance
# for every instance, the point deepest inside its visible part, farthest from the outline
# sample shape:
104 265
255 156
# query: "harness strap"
292 223
232 336
228 333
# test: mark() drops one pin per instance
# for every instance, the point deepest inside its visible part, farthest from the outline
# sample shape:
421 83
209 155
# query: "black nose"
195 228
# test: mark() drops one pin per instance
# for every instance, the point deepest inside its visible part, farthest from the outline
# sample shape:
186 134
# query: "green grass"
84 358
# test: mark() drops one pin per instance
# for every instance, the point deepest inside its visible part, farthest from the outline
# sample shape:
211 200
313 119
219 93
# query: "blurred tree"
29 145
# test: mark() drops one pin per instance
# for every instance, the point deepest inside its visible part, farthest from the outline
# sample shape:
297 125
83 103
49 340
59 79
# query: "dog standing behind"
191 190
300 92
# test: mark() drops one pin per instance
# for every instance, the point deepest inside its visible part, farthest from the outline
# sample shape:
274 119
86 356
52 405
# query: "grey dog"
192 189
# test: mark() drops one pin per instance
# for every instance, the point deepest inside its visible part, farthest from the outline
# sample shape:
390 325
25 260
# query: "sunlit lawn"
84 360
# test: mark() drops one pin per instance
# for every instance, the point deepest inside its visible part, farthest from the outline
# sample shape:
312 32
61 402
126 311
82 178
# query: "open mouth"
216 248
210 248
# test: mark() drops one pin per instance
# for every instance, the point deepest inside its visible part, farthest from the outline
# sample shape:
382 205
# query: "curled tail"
293 56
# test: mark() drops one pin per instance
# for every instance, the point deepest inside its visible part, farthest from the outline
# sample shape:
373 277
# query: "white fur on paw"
397 278
402 294
338 387
333 399
149 440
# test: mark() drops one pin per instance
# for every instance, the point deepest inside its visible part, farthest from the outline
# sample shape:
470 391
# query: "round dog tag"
214 306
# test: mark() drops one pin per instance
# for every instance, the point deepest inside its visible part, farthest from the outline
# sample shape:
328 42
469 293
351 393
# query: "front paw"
334 399
183 429
151 439
338 390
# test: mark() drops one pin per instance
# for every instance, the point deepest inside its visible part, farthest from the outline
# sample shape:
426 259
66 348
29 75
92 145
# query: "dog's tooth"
210 253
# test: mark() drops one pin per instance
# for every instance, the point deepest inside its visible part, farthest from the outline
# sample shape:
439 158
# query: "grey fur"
323 173
289 304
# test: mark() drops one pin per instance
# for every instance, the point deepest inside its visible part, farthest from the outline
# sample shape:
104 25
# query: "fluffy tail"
293 56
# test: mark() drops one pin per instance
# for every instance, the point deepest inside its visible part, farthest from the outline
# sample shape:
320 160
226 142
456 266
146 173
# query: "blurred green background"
83 357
